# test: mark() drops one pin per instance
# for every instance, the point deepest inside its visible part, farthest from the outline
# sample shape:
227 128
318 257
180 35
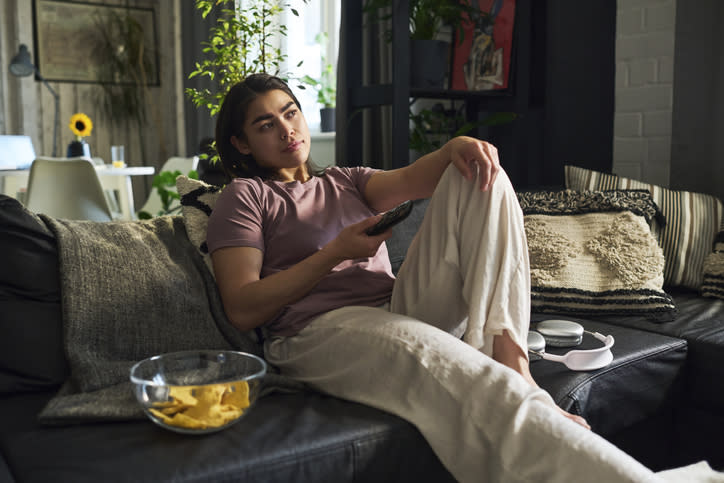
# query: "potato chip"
202 407
183 395
237 395
180 419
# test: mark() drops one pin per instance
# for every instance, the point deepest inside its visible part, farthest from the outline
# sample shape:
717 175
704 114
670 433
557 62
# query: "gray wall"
697 147
645 38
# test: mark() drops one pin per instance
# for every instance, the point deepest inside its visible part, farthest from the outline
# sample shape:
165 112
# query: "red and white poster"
481 62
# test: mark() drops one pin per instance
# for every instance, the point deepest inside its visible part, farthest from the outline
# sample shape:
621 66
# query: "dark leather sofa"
659 399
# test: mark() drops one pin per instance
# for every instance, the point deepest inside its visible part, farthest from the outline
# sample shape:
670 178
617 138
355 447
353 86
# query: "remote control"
391 218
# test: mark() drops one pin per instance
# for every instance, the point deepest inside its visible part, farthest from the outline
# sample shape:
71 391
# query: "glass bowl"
197 392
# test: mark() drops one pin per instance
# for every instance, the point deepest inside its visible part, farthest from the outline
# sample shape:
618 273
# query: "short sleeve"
237 217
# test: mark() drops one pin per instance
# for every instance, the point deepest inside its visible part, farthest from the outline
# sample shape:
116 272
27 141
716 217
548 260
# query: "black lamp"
21 66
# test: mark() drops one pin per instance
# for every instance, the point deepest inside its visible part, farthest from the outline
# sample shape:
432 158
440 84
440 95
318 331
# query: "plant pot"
428 63
328 119
78 148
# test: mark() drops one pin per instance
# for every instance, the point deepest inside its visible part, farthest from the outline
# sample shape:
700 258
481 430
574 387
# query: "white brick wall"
645 34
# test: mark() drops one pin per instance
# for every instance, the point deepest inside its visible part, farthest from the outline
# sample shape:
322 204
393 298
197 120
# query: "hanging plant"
127 62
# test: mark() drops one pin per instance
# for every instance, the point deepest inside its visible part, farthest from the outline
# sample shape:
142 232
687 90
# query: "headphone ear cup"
563 341
537 343
561 333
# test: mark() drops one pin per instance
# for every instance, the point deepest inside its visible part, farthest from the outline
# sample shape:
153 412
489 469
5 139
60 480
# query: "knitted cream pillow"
593 253
692 221
198 200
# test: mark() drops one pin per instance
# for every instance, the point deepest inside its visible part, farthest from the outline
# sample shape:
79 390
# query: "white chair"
67 188
153 204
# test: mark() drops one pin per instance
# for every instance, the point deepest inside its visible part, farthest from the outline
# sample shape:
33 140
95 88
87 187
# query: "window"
300 44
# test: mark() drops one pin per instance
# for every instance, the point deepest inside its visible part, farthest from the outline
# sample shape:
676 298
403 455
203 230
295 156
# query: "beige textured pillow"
589 255
692 221
198 200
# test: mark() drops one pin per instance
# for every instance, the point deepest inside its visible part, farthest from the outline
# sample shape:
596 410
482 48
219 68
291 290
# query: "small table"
116 179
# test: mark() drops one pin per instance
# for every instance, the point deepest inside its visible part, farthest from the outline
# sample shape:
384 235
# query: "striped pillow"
593 254
713 285
692 221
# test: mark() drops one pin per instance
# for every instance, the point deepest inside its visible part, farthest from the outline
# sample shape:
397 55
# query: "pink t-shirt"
291 221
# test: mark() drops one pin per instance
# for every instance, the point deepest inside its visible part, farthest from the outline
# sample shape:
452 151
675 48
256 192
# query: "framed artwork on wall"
87 42
482 59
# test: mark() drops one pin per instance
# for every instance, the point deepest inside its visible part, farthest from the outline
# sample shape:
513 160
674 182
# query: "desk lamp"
21 66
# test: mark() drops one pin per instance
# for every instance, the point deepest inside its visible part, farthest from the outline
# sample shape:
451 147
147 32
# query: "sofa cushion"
593 253
303 436
692 221
197 202
699 321
403 233
634 387
31 351
713 284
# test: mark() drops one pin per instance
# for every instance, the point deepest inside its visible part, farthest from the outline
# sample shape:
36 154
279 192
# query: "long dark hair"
231 123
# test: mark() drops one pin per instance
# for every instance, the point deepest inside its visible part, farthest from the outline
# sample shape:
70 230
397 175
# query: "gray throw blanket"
131 290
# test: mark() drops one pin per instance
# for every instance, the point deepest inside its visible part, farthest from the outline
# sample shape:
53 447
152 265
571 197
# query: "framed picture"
87 42
481 60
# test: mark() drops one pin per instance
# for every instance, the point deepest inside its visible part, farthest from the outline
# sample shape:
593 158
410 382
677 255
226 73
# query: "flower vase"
78 148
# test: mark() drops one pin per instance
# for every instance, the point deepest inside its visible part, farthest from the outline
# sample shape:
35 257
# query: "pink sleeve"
237 218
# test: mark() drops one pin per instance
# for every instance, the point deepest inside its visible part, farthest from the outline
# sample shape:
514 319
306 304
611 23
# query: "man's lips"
293 146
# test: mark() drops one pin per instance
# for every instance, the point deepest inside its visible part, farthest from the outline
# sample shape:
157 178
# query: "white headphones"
565 333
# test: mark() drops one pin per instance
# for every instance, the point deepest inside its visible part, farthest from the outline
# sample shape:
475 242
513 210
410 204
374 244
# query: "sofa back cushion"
31 351
713 285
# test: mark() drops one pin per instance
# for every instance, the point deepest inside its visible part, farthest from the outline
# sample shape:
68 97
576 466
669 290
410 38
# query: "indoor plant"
127 64
429 53
81 126
431 127
241 43
165 185
326 87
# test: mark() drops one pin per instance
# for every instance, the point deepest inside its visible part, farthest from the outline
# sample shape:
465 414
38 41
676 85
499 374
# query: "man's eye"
291 113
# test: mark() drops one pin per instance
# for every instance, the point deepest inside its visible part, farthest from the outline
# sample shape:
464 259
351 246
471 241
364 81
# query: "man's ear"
240 145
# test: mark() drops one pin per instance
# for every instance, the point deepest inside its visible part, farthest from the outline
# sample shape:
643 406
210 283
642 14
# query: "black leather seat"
285 437
635 386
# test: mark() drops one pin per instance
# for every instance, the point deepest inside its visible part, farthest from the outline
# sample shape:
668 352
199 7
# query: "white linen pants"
469 260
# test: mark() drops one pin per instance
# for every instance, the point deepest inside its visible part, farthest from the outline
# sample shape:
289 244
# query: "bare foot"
508 353
575 418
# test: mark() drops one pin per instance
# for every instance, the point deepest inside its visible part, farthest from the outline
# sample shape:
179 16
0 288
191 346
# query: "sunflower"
81 125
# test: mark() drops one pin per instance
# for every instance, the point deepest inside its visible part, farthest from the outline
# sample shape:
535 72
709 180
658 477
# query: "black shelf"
453 94
561 87
398 93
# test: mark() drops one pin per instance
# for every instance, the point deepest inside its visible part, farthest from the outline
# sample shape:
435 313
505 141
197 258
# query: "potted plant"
326 87
431 127
241 43
165 185
429 53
